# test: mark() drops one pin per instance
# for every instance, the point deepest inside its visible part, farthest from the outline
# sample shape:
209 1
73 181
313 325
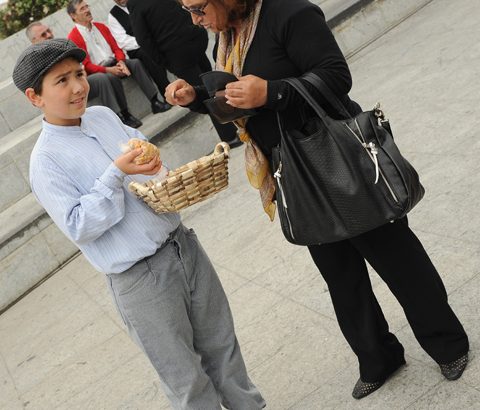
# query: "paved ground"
64 347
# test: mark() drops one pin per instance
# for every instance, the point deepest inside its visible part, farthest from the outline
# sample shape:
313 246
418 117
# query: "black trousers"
155 69
399 258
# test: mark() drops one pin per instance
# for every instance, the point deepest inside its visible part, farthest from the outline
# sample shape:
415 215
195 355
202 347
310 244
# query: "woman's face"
203 14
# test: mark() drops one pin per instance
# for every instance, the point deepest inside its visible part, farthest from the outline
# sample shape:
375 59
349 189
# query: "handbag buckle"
379 114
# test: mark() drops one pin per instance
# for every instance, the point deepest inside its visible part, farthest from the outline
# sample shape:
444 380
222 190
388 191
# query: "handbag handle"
329 95
302 90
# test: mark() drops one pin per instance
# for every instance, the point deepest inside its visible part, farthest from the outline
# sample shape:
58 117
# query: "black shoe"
453 370
130 120
236 142
158 106
363 389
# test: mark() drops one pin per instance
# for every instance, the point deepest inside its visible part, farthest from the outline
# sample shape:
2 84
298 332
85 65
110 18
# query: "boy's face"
63 99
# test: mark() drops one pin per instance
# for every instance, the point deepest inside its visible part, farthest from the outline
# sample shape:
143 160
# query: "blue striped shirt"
73 176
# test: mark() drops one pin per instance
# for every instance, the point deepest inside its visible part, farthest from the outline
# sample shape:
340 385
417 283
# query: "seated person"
121 29
104 56
100 85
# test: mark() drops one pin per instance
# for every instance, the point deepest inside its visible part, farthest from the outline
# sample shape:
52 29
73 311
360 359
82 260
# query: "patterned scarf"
230 58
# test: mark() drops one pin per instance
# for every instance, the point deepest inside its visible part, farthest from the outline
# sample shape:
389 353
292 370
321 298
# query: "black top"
161 25
123 18
292 38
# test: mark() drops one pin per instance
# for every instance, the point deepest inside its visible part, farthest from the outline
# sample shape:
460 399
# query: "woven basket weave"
191 183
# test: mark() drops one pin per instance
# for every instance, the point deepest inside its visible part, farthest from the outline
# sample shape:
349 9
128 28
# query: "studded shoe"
363 389
453 370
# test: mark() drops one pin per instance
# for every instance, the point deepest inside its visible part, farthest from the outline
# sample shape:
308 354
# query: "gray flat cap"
38 58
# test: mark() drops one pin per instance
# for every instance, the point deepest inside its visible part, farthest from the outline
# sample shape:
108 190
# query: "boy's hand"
180 93
125 163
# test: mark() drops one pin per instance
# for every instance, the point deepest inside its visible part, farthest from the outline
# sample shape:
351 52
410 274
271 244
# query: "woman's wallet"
215 82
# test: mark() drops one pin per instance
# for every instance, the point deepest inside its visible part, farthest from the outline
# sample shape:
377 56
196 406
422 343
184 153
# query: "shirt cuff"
113 177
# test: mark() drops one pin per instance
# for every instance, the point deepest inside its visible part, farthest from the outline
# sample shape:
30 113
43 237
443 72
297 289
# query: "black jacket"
292 38
161 25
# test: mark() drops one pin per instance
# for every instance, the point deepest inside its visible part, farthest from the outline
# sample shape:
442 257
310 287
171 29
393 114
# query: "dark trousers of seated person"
109 92
188 62
155 69
141 77
399 258
112 94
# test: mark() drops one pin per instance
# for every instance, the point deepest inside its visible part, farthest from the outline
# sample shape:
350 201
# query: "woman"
261 42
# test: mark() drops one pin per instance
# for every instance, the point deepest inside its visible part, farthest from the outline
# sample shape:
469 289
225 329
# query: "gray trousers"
108 88
174 307
109 92
140 75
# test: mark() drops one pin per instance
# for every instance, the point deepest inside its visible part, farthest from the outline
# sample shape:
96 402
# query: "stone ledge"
17 217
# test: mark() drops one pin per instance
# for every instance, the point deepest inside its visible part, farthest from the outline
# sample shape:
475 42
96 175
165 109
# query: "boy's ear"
33 97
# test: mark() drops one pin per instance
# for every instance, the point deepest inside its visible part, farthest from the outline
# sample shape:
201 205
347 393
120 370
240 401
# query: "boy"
164 286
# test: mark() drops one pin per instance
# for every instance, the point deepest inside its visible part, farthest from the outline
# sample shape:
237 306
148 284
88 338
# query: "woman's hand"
125 163
180 93
248 92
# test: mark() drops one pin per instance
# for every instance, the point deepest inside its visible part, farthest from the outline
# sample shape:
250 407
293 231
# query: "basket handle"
222 147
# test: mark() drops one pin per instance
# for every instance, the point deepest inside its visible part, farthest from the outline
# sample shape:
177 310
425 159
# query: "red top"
77 38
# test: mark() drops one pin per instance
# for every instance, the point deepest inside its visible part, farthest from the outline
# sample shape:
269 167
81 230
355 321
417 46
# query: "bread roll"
150 151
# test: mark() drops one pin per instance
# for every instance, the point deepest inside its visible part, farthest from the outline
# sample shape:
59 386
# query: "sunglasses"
198 11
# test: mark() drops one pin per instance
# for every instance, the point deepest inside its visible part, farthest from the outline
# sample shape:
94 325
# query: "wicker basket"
187 185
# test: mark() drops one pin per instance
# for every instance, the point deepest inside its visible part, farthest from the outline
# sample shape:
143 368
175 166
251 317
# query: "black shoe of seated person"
129 119
363 389
158 106
454 370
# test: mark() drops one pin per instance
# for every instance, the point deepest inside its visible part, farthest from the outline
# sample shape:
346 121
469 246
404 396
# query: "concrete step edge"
18 216
25 211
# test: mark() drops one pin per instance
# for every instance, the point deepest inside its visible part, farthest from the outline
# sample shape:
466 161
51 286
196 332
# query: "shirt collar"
84 29
66 130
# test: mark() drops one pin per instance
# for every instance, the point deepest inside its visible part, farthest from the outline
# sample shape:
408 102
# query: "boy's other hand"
180 93
126 164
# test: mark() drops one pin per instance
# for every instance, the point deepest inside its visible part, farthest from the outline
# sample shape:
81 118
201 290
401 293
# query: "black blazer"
162 25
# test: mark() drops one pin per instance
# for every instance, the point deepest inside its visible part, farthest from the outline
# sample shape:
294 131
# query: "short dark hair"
38 85
72 6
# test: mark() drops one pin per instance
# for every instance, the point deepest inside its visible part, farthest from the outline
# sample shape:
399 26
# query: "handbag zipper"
372 152
278 175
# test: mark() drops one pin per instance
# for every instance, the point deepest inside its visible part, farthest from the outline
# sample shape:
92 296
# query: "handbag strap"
329 95
302 90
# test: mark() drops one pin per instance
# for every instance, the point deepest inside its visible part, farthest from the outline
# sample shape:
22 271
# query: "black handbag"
337 179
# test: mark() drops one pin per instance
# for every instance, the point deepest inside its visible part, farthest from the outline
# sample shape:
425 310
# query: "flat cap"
38 58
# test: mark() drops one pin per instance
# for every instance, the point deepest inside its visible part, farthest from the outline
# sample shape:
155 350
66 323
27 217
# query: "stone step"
16 147
16 110
31 246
